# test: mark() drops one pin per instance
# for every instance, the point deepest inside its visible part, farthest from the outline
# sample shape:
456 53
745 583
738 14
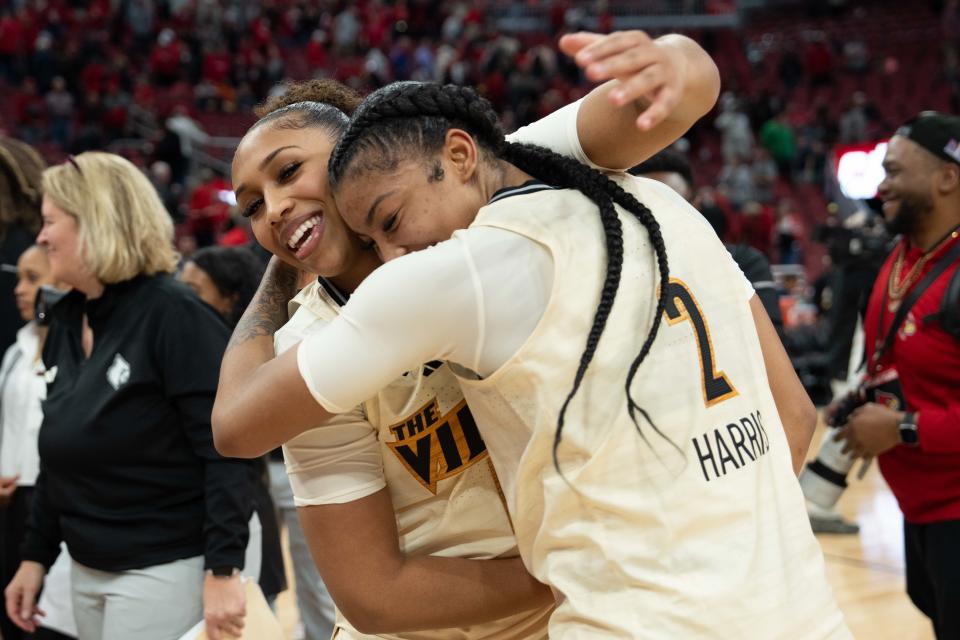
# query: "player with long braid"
451 508
699 534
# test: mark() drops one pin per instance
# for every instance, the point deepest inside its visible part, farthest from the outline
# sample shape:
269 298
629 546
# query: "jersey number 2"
681 305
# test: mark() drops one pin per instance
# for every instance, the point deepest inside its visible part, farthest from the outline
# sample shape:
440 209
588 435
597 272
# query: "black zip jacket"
129 477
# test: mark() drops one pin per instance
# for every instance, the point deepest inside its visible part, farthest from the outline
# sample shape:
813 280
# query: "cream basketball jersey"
692 526
435 464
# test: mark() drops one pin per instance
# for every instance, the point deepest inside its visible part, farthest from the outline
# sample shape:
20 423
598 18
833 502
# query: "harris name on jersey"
732 446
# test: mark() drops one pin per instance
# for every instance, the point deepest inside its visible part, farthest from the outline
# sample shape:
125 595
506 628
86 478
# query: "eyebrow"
263 164
376 203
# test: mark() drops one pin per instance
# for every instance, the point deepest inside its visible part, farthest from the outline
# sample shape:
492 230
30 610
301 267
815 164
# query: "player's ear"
461 154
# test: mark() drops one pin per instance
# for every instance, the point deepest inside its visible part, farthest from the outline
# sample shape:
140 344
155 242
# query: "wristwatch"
224 571
908 430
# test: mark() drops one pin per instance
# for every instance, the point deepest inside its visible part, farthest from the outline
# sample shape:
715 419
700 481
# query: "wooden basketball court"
866 570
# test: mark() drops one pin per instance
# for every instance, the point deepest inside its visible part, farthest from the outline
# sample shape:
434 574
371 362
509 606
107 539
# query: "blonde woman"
154 519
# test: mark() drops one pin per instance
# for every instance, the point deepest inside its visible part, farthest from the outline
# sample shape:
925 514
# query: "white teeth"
301 230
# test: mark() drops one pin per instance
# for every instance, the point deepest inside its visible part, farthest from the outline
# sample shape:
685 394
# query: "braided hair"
410 117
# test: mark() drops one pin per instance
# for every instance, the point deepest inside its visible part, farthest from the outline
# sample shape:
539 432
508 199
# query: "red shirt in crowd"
165 61
207 211
216 66
11 36
925 479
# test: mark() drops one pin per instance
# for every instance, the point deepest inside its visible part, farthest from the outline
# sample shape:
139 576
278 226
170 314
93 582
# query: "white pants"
157 603
56 600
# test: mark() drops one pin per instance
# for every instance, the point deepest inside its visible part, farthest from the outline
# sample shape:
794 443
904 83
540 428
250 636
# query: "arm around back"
356 548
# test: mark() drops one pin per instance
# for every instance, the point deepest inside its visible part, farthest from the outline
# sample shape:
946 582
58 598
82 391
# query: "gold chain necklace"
896 289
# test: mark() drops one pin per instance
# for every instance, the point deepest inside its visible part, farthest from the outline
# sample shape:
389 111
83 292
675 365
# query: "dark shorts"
933 573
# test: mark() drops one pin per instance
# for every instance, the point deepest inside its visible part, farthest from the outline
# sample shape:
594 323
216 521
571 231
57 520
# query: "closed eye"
390 222
251 208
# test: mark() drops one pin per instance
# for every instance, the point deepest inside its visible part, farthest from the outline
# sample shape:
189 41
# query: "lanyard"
941 265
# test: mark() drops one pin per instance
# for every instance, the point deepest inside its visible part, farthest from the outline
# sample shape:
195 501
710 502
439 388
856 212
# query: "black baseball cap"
938 133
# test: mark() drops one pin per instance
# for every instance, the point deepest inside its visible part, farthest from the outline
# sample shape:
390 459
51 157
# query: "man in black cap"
912 326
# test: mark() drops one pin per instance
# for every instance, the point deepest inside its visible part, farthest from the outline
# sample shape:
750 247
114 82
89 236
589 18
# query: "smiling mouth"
302 232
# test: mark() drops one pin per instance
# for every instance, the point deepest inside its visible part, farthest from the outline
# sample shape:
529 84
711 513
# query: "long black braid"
409 118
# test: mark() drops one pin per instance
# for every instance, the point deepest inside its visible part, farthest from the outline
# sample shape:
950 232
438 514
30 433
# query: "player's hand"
8 485
649 73
224 606
871 430
21 595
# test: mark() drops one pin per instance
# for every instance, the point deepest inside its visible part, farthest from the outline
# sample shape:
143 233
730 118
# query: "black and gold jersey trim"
531 186
338 296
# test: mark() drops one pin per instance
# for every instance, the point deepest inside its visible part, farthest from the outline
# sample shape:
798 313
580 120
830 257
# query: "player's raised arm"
245 423
656 90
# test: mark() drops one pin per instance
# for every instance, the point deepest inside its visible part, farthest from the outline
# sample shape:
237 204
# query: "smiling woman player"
424 445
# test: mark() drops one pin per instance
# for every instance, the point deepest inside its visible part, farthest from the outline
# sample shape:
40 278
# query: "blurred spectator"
854 121
42 64
950 25
116 101
216 63
812 144
29 111
789 229
165 58
736 180
790 68
226 279
140 19
756 227
734 126
856 56
856 247
208 209
22 390
188 130
346 28
162 179
20 169
316 52
777 136
90 134
11 37
819 60
764 172
59 104
236 232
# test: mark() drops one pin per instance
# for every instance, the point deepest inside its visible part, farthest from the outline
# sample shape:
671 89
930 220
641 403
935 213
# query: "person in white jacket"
22 389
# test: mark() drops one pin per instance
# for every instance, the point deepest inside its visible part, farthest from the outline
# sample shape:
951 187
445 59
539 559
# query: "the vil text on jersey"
434 446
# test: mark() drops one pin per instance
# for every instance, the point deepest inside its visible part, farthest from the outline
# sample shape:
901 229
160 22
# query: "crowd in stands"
83 75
